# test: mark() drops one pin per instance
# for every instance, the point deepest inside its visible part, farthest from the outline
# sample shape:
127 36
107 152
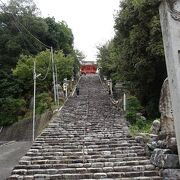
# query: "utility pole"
34 100
124 101
57 91
54 80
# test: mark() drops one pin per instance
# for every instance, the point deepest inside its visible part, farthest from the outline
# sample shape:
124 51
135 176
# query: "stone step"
81 156
76 165
88 140
86 143
87 146
89 152
103 147
111 172
80 160
110 175
95 143
96 167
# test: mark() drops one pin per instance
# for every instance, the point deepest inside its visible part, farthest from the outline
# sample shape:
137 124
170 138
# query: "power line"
51 52
20 30
42 79
17 21
54 79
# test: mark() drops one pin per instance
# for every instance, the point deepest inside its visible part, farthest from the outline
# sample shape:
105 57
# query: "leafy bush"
141 126
133 107
137 123
43 102
11 109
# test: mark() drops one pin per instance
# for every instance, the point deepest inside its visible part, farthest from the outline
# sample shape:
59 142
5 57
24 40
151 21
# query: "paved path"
9 156
87 139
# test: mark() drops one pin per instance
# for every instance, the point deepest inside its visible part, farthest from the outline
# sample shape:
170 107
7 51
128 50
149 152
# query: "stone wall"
161 144
164 152
22 130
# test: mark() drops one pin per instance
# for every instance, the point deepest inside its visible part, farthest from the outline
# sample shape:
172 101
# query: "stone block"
81 170
94 170
139 139
100 175
115 174
28 178
106 153
122 168
14 177
97 165
108 169
149 167
164 159
41 176
75 165
155 127
86 165
171 174
108 164
172 144
20 171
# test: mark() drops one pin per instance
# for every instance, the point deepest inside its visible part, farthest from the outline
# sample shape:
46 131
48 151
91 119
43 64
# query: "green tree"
59 36
24 70
139 40
78 58
11 109
65 65
19 22
136 54
107 61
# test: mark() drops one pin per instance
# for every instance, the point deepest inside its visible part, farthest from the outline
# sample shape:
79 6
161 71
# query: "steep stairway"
87 139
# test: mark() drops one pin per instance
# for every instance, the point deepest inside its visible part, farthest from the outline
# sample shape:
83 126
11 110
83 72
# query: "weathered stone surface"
108 169
155 127
106 153
164 159
139 139
172 144
169 11
162 144
153 145
165 108
169 174
77 145
100 175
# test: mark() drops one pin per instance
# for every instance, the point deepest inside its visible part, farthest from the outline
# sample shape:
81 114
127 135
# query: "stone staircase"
87 139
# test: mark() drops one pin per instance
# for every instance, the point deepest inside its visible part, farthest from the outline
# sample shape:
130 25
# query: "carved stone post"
170 24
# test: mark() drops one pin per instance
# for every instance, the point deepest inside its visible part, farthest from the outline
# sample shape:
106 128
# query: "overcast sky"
91 21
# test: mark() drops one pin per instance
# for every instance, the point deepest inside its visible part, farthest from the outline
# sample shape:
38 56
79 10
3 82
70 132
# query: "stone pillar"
165 108
170 24
109 84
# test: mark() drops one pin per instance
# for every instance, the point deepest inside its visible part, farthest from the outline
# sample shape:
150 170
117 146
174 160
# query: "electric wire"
43 44
15 19
20 30
42 79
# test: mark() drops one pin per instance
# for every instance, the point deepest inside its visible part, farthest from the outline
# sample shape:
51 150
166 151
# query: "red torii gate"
88 67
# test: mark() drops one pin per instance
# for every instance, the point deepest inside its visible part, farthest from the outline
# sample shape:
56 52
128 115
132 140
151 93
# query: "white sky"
91 21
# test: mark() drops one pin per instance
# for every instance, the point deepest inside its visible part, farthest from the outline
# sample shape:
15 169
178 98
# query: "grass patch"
140 126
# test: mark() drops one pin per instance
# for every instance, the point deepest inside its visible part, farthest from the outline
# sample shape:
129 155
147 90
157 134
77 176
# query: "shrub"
141 126
11 109
43 102
133 107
